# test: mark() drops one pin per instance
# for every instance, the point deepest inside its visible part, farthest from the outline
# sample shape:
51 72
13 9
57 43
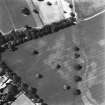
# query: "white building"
3 81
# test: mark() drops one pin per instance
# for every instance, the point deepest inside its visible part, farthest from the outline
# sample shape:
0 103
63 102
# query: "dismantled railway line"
17 37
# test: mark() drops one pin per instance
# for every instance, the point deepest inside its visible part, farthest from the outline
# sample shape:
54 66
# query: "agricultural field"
50 63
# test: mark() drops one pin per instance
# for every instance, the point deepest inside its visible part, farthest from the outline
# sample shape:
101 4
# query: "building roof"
22 100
